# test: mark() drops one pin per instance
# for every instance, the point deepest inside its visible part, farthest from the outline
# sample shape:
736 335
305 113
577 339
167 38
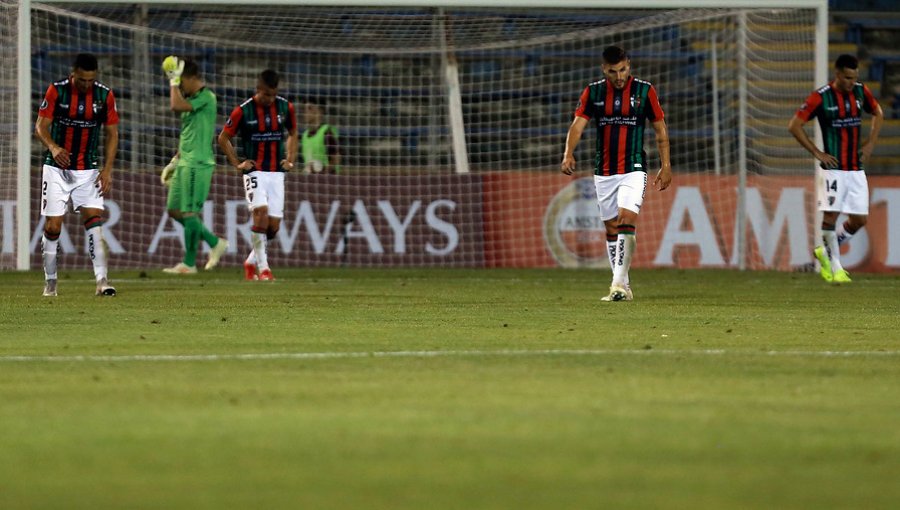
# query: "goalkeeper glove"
168 171
174 69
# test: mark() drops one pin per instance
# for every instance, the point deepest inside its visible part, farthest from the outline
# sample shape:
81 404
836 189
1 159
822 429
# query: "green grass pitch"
450 389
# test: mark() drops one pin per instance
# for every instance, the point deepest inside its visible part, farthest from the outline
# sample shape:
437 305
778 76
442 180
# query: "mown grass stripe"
435 354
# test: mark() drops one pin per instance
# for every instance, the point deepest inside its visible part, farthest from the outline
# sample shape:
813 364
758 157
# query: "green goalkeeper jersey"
198 129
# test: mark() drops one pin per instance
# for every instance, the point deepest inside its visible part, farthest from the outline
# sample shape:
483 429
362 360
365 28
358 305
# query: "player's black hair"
191 69
85 62
614 55
269 78
846 62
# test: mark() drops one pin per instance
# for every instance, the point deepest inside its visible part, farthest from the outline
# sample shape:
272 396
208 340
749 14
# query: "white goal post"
449 133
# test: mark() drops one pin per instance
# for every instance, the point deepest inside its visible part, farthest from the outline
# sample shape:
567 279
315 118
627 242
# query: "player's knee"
261 213
829 218
627 219
53 227
858 221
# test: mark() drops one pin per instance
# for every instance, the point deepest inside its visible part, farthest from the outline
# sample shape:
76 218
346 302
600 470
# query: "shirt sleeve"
112 113
870 104
49 103
234 120
656 112
585 108
809 107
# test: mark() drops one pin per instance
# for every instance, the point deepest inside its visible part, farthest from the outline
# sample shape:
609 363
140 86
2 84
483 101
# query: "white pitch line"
436 354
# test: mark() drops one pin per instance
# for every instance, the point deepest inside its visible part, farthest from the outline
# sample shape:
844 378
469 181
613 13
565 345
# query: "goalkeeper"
189 174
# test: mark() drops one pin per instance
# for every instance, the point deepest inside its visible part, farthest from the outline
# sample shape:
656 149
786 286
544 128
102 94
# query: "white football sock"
829 237
842 235
49 248
259 249
611 251
251 259
624 252
97 251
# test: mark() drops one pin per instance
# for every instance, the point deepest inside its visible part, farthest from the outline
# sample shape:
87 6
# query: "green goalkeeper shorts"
189 187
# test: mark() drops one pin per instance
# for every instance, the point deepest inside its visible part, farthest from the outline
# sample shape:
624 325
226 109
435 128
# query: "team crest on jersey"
635 102
96 107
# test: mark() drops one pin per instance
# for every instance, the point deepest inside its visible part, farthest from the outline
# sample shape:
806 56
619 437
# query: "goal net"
450 125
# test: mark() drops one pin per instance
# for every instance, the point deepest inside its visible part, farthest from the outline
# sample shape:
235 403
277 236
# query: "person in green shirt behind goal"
319 143
189 174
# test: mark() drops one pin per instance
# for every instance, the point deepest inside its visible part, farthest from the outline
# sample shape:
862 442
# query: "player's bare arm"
60 155
796 129
224 141
869 145
110 147
664 176
288 162
334 160
177 101
572 139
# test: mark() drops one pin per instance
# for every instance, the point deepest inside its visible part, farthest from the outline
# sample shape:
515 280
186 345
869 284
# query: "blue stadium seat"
857 25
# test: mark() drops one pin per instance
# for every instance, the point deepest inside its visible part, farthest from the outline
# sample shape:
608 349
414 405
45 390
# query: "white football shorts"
842 191
620 191
265 189
58 186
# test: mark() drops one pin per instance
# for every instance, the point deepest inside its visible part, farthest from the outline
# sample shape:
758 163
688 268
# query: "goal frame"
24 137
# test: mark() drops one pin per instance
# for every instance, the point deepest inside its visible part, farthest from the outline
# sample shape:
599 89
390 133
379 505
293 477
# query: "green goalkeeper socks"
206 235
210 238
192 232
